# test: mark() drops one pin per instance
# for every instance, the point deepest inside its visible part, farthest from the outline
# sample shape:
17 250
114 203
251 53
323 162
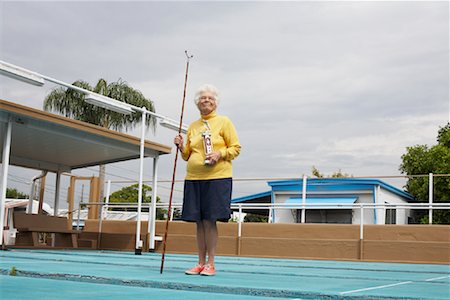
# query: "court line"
375 287
437 278
390 285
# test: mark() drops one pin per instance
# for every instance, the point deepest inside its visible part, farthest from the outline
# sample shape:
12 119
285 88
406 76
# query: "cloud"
338 85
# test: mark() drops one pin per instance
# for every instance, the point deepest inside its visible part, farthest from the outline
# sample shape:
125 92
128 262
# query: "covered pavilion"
41 140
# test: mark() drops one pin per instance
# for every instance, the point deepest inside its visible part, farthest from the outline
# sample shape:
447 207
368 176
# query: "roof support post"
138 248
5 164
57 193
41 193
152 210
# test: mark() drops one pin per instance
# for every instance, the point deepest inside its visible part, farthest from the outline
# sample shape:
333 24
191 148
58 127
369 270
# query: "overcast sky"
336 85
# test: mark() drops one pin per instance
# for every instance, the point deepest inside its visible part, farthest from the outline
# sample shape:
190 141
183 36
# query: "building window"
391 216
336 216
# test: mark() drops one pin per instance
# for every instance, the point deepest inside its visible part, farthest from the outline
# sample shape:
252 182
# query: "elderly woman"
211 145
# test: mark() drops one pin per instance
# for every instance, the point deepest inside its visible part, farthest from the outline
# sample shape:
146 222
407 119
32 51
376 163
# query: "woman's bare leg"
211 236
201 243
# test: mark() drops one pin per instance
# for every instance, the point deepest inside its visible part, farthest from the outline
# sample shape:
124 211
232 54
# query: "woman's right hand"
178 141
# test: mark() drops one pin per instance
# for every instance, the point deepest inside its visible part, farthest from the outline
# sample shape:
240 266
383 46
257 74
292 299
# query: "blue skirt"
207 200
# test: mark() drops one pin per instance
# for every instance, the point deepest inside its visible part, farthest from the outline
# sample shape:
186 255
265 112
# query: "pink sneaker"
208 270
195 270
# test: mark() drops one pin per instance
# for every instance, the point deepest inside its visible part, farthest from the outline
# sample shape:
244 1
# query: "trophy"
207 142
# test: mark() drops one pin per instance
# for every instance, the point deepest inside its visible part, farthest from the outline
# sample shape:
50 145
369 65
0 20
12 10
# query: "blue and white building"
334 200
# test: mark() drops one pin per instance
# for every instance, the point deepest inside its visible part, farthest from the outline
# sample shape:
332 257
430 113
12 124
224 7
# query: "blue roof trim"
251 197
335 200
330 184
324 187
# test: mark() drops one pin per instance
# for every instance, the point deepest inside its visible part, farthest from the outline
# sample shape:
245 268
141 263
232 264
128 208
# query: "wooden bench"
30 226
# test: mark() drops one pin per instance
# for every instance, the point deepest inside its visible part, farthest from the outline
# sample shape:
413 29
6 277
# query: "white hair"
206 88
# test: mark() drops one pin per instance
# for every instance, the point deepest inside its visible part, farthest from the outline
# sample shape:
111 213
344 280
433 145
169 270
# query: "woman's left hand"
213 157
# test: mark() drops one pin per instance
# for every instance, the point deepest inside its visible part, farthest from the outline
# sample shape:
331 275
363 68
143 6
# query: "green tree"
255 218
315 172
129 194
422 159
15 194
70 103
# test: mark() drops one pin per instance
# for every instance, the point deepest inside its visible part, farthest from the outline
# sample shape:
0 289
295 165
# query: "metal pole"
4 181
31 198
240 221
172 211
78 216
270 217
138 248
380 216
304 199
361 223
152 210
57 192
430 198
100 223
239 239
361 233
108 192
174 166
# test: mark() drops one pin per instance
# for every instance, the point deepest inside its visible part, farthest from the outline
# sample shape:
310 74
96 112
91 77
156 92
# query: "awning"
334 201
45 141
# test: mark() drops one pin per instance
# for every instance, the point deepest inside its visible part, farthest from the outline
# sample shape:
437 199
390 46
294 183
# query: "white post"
138 248
57 192
108 192
56 203
152 210
78 216
4 181
239 221
172 212
304 199
430 198
100 220
378 218
31 197
361 223
361 233
270 218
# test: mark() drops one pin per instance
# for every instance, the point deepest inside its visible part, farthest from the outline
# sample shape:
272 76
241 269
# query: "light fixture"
109 103
171 124
21 74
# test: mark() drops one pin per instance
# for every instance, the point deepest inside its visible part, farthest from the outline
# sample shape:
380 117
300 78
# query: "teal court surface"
51 274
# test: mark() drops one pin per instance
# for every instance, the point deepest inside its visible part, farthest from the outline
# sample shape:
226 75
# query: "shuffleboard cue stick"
188 57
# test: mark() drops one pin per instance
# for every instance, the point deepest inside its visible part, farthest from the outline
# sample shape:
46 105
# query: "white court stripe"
437 278
375 287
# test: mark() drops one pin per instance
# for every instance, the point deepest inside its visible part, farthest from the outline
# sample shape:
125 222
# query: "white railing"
360 206
241 207
304 179
271 207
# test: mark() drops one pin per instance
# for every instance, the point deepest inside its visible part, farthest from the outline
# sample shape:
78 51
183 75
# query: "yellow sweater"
224 139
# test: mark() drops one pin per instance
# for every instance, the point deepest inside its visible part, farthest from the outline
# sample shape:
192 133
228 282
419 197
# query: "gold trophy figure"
207 142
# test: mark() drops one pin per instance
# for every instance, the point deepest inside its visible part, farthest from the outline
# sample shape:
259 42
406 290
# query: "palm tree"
70 103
